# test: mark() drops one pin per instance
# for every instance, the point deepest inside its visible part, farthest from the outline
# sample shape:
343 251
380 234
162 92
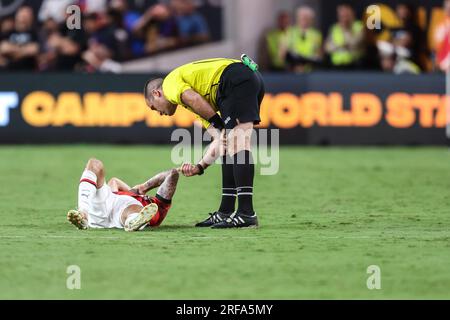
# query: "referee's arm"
202 108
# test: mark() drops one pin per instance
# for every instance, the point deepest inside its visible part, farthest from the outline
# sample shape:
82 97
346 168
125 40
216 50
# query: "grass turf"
327 216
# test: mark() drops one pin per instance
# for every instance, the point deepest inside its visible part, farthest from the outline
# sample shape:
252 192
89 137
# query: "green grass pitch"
328 215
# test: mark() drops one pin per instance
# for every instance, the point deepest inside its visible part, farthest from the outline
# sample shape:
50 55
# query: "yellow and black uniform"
229 86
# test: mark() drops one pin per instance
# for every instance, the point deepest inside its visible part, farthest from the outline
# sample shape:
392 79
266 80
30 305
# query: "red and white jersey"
143 199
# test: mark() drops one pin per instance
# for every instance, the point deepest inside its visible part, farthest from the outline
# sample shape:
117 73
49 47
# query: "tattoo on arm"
168 187
134 190
155 181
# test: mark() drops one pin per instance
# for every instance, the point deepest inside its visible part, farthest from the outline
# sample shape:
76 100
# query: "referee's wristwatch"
200 169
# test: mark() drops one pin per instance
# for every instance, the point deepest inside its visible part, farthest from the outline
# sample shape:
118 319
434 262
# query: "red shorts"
163 209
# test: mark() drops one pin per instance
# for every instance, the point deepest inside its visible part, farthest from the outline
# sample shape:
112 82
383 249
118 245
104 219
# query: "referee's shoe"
238 220
213 218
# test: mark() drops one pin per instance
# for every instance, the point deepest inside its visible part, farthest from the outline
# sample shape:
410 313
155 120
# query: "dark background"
379 84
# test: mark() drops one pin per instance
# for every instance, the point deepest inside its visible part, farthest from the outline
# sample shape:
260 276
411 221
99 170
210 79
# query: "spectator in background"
192 26
409 35
393 62
6 28
345 39
47 56
270 58
114 21
61 47
302 46
55 10
402 44
102 44
442 41
20 48
93 6
129 20
158 28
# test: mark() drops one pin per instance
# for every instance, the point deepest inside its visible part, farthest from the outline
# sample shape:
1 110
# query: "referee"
226 95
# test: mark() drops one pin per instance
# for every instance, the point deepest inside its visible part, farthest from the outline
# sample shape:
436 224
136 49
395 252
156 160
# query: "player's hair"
152 84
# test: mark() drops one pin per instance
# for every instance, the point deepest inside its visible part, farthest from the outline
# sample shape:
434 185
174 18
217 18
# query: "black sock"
244 171
228 186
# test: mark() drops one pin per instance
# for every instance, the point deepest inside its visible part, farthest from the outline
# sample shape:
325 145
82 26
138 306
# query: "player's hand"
138 189
189 170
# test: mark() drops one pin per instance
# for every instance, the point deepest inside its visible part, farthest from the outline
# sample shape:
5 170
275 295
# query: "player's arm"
118 185
151 183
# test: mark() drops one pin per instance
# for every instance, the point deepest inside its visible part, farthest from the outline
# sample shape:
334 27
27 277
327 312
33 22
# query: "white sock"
86 190
130 217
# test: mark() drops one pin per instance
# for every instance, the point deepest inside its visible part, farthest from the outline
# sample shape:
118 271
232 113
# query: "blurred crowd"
298 46
110 33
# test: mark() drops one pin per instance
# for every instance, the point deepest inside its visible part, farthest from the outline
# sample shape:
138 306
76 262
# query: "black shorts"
240 94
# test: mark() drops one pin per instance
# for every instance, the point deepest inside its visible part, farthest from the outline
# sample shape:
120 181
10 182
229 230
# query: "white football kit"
107 208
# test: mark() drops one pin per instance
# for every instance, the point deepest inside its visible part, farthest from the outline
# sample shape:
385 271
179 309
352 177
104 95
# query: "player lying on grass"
116 205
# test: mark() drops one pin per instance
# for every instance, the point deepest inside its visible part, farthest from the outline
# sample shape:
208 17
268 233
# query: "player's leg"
92 178
136 217
130 211
164 197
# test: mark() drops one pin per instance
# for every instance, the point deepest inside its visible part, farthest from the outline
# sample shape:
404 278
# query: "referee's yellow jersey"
201 76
